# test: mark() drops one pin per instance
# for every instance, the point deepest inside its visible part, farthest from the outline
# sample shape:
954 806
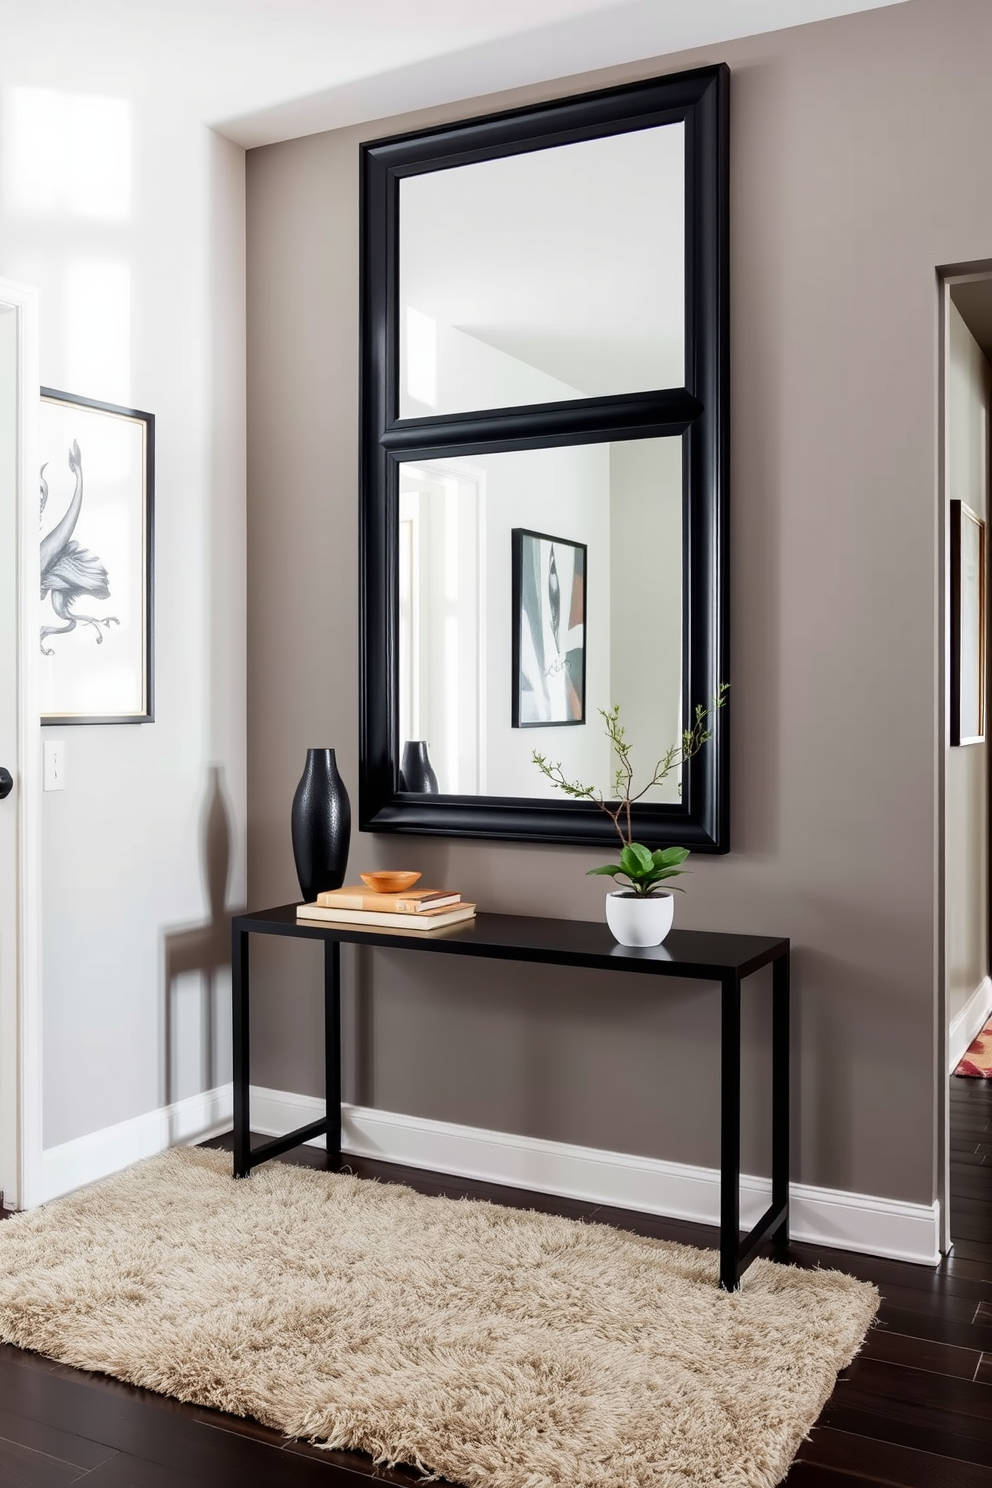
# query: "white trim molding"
20 1015
966 1025
820 1216
100 1153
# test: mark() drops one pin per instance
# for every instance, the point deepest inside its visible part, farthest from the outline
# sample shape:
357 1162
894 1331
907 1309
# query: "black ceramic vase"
416 770
321 824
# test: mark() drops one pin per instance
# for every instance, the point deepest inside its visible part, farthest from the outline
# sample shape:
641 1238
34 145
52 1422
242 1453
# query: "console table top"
703 954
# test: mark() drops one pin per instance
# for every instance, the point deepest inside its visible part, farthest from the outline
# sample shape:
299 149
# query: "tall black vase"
321 824
416 770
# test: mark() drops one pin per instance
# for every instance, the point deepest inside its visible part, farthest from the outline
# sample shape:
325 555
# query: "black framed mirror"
544 443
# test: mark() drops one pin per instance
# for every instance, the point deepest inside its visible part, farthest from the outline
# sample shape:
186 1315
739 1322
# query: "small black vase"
416 770
321 825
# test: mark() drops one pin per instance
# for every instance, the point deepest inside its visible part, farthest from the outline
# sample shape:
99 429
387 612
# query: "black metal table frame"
736 1254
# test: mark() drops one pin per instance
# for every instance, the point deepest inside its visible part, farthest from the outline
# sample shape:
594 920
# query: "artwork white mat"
95 554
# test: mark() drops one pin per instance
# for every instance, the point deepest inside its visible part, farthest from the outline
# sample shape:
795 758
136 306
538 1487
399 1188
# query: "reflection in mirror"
544 276
457 518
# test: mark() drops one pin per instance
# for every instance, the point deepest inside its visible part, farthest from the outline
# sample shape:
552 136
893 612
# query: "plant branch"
624 795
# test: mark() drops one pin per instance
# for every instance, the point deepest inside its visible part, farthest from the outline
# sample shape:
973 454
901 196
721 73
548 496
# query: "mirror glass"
537 586
544 276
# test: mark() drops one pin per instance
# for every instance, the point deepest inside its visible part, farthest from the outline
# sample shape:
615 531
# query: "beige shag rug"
494 1347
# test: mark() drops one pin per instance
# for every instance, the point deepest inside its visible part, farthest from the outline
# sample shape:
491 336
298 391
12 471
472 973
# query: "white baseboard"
965 1027
100 1153
821 1216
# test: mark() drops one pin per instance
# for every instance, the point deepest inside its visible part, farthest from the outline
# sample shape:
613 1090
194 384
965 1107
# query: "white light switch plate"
54 764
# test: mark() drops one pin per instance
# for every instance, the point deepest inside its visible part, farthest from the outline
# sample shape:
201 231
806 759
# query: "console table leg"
730 1132
780 1094
332 1049
242 1053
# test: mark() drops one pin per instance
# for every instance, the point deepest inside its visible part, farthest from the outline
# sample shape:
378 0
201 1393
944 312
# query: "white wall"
646 601
968 401
468 373
128 217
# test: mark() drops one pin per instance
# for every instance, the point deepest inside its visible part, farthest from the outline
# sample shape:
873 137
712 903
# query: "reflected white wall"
569 259
646 600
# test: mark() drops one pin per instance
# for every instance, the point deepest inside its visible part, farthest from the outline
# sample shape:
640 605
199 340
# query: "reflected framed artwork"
549 630
967 671
97 507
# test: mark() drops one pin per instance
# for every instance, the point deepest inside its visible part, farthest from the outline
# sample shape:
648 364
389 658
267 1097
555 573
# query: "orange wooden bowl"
389 881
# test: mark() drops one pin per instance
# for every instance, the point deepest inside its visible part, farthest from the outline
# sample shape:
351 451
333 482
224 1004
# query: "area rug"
977 1061
494 1347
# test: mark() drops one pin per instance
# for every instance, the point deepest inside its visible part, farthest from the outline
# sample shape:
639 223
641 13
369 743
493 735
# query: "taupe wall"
858 150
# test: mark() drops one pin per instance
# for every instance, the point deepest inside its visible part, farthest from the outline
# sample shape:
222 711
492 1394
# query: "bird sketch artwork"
94 614
70 573
549 629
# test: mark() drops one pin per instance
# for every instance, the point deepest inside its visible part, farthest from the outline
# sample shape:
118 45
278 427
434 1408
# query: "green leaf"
663 870
667 857
641 855
611 868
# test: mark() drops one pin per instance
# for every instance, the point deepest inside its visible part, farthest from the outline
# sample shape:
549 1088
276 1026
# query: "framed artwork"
549 630
967 625
97 508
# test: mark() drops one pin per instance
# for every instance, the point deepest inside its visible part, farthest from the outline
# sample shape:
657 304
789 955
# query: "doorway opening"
965 796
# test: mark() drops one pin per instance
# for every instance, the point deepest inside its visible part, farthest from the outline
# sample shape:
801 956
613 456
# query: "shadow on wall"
202 950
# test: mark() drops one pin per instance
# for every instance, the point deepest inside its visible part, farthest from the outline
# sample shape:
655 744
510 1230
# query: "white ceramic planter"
640 920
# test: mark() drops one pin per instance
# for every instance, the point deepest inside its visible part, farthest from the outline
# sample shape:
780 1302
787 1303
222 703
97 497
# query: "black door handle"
6 783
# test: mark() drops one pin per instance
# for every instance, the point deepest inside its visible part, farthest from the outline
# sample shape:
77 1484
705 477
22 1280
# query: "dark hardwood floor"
913 1411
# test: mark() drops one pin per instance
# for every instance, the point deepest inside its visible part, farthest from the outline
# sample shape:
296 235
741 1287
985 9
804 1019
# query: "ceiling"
267 70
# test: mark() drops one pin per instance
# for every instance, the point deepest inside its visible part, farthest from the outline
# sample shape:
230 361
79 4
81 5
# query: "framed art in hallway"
549 630
97 510
968 621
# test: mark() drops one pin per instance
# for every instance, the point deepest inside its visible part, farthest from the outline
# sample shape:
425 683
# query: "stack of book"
414 909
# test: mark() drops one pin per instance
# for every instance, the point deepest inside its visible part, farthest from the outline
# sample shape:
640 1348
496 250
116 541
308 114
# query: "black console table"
694 954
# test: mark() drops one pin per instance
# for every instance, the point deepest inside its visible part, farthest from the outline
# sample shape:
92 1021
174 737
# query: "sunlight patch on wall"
66 155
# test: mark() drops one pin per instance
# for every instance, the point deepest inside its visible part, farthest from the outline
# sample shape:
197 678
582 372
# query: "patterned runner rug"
977 1061
498 1348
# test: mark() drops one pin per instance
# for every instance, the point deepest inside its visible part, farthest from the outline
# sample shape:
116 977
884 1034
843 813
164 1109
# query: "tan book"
428 919
410 901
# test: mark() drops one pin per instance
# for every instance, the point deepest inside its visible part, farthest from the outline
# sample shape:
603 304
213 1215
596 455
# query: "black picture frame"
140 492
697 412
526 605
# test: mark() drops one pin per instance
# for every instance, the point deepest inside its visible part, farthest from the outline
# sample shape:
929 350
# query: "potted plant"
641 913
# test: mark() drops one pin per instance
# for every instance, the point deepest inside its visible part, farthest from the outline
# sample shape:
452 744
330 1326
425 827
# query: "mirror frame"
698 412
